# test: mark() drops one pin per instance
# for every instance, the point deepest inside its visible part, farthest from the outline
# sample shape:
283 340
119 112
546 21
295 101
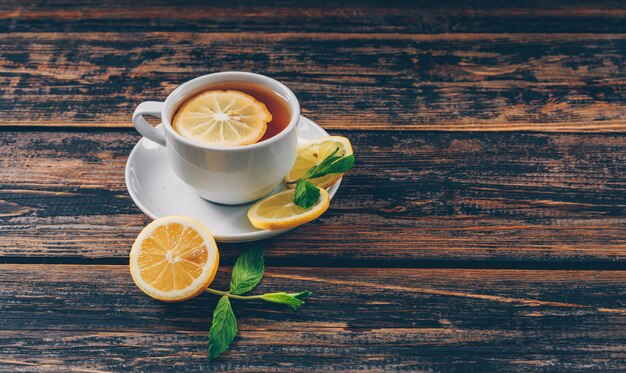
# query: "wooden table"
482 229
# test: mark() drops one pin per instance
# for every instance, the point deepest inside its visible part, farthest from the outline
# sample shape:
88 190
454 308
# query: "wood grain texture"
477 82
416 16
412 197
94 318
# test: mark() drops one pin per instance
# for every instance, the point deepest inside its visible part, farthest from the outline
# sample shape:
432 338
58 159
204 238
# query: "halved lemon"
278 211
174 258
312 153
222 118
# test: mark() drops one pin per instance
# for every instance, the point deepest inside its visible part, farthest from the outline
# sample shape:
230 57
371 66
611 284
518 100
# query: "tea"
241 112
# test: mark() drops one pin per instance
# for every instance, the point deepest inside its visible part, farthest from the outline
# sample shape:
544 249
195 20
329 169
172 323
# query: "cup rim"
292 101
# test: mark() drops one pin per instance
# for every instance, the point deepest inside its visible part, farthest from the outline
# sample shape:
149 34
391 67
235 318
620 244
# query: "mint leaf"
328 160
332 164
248 271
223 328
292 301
302 294
340 166
306 194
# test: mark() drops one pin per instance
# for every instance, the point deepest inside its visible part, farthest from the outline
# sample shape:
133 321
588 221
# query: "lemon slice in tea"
222 118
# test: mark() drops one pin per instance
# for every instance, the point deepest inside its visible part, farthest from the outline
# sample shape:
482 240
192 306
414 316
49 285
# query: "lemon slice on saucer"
174 258
222 118
312 153
279 211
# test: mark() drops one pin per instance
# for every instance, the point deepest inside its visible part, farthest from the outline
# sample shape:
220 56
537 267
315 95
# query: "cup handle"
152 108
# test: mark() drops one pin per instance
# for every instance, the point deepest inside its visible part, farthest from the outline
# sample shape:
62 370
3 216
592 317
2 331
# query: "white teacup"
230 175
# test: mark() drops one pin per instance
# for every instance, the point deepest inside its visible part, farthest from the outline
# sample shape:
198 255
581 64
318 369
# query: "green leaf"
311 171
340 166
302 294
331 165
328 160
292 301
306 194
248 271
223 328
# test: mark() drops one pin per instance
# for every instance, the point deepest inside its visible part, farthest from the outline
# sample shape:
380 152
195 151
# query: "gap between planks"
561 127
546 266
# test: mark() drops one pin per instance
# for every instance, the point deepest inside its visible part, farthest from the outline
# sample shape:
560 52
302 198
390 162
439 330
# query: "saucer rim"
241 237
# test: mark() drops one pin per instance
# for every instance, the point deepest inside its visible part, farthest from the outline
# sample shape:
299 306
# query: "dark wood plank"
450 82
412 197
416 16
94 318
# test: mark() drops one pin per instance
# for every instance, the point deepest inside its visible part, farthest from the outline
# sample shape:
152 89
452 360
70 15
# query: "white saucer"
158 192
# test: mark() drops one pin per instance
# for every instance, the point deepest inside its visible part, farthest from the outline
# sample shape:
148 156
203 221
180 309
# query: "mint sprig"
247 273
307 194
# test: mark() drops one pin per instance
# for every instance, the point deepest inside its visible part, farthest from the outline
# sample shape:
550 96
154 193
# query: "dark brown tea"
276 104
